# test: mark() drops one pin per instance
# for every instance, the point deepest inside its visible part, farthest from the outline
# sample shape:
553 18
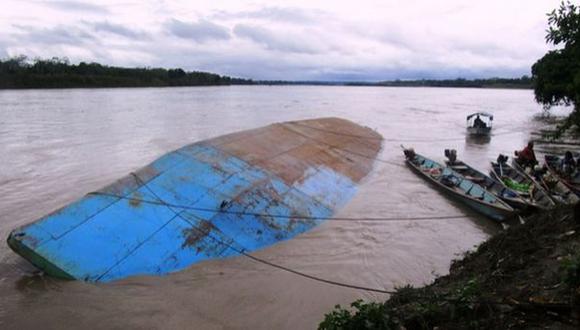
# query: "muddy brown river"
57 145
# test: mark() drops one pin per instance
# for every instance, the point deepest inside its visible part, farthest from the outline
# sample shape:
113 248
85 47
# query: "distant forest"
20 72
524 82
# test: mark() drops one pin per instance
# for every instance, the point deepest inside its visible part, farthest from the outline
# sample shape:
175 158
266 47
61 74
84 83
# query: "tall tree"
557 74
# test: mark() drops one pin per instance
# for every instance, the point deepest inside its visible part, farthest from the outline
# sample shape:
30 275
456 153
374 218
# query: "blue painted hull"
461 188
507 195
538 197
213 199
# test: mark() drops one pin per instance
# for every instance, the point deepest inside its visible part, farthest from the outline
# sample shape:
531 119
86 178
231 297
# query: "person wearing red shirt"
527 157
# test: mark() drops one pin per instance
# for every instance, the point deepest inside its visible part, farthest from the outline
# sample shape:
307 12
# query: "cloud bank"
367 40
78 6
200 31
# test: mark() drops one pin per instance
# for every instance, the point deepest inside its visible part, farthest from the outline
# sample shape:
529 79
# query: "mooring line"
282 216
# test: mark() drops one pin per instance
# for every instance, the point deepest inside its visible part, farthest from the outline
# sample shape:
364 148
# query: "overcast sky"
363 40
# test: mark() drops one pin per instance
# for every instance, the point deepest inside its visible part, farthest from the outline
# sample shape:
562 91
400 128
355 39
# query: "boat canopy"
482 114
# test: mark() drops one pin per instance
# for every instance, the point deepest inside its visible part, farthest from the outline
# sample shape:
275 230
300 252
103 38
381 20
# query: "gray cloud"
277 14
262 41
56 35
3 52
200 31
381 74
272 41
117 29
246 65
394 38
484 49
265 68
69 5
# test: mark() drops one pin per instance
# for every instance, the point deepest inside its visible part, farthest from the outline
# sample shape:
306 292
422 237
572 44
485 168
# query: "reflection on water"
57 145
476 140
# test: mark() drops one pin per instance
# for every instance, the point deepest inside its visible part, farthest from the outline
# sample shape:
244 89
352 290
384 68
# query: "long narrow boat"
552 184
571 181
217 198
506 194
459 187
528 189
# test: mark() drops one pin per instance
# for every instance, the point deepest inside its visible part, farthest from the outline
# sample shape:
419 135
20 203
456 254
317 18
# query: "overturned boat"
456 185
217 198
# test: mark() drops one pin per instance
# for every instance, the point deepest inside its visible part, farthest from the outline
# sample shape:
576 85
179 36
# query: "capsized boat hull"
463 190
212 199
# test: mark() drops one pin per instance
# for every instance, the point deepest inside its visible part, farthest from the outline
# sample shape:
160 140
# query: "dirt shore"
527 276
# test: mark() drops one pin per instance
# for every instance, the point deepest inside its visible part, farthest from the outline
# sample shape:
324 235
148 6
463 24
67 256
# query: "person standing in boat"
568 164
527 157
479 123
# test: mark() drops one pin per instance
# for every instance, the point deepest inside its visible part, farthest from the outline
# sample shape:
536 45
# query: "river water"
57 145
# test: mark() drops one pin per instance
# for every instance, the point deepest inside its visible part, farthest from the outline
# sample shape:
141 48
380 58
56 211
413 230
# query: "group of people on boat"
527 159
525 184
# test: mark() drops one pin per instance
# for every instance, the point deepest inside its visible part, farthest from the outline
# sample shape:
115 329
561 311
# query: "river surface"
57 145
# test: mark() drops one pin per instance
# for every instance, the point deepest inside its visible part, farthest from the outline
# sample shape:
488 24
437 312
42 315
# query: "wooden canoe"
571 181
557 190
506 194
464 190
535 194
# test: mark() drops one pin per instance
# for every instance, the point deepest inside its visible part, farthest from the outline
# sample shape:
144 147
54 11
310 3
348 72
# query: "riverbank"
23 73
527 276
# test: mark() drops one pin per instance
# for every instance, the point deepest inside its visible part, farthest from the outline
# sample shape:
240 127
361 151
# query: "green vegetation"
20 72
414 308
571 269
367 316
557 74
523 83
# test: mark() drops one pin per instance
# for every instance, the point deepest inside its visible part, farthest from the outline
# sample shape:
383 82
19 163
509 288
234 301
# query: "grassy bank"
527 276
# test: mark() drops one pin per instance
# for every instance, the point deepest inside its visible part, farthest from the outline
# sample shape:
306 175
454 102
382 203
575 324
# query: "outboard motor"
409 153
502 159
451 154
